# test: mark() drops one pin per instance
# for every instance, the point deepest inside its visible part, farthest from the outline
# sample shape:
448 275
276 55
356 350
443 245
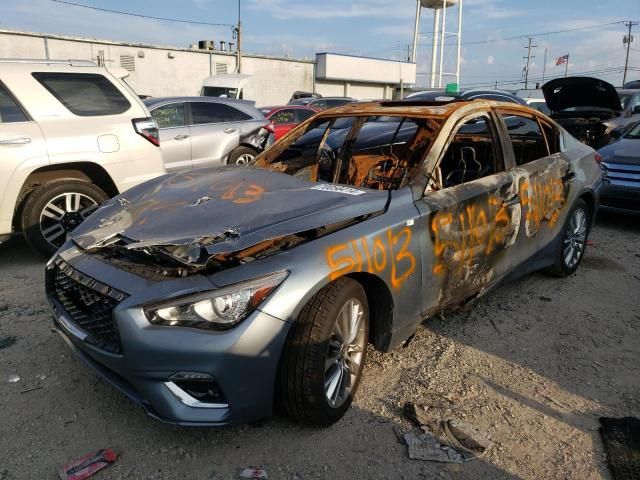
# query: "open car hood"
563 93
195 216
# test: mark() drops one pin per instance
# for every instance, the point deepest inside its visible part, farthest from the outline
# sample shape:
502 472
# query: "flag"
562 60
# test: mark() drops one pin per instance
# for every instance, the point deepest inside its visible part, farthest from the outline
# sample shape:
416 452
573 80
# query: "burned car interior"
375 152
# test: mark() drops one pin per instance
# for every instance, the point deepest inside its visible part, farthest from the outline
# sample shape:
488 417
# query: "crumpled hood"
563 93
222 210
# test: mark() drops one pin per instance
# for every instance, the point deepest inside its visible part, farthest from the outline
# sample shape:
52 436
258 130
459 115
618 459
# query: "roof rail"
70 62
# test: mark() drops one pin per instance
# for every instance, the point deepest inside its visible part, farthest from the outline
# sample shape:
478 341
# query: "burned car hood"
196 215
578 92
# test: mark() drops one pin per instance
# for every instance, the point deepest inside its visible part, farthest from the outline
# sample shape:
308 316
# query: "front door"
471 216
175 137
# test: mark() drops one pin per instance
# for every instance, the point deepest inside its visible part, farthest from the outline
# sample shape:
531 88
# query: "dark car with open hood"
211 296
587 107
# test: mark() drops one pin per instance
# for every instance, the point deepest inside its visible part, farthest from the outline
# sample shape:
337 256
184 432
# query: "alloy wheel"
344 353
575 238
245 159
62 214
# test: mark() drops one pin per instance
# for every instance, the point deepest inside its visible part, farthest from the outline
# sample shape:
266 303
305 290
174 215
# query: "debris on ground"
7 341
13 378
88 465
443 440
425 446
252 472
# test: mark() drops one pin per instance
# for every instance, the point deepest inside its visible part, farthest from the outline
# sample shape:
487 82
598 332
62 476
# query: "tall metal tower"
439 8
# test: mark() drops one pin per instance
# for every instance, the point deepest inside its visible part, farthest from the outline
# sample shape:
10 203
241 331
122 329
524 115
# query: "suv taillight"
598 158
148 128
270 127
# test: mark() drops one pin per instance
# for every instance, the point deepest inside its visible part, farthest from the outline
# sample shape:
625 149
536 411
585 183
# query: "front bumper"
242 361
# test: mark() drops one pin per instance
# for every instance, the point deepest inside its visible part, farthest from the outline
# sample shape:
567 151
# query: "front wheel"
574 241
55 209
324 355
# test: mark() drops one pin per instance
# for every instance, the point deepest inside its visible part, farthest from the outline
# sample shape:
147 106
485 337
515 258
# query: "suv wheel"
55 209
242 156
324 355
574 241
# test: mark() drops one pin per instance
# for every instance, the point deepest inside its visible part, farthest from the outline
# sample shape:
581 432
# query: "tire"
53 210
242 156
312 355
573 240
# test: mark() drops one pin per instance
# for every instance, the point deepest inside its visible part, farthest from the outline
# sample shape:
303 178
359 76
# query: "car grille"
623 174
87 303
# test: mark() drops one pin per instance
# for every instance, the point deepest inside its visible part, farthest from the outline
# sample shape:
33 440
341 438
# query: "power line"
540 34
139 15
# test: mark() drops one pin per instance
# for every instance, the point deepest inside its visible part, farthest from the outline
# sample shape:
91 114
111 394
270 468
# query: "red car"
286 117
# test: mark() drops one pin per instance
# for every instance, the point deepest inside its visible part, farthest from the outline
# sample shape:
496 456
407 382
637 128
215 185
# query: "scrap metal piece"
425 446
88 465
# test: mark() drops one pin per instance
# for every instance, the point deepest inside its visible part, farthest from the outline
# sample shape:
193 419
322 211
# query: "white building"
161 71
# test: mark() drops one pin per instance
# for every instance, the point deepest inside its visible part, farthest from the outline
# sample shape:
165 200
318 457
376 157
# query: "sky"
375 28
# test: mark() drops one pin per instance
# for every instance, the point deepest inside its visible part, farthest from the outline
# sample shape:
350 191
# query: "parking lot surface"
534 364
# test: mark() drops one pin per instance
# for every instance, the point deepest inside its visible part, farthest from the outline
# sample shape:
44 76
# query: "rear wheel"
55 209
242 156
574 241
324 355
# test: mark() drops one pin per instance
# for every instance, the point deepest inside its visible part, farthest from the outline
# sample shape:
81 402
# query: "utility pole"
544 67
237 34
627 39
528 57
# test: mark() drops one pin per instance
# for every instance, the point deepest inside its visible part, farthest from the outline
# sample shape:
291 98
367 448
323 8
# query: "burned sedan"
212 296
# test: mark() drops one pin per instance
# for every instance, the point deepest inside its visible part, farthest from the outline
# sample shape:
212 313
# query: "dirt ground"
534 364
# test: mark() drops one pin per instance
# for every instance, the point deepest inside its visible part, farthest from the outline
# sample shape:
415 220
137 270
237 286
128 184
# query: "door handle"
230 130
181 137
570 176
15 141
511 202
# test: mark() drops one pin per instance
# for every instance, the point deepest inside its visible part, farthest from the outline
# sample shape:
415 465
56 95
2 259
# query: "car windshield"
302 101
219 92
634 133
624 99
376 152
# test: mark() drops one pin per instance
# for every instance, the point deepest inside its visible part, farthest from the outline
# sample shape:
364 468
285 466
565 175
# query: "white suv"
72 134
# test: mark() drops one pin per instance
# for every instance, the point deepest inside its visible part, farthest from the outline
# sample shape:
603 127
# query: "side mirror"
616 133
636 109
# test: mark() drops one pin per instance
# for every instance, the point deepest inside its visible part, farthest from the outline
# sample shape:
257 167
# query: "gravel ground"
534 364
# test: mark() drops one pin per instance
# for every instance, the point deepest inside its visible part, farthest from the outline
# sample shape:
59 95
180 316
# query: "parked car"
634 84
204 131
302 94
72 134
589 108
473 94
206 296
539 104
630 100
323 103
285 118
620 189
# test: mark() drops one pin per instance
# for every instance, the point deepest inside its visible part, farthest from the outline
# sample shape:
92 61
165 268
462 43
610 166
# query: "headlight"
219 309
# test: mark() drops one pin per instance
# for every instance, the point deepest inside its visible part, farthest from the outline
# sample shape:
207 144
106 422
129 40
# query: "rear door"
471 214
21 141
175 136
545 180
216 129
